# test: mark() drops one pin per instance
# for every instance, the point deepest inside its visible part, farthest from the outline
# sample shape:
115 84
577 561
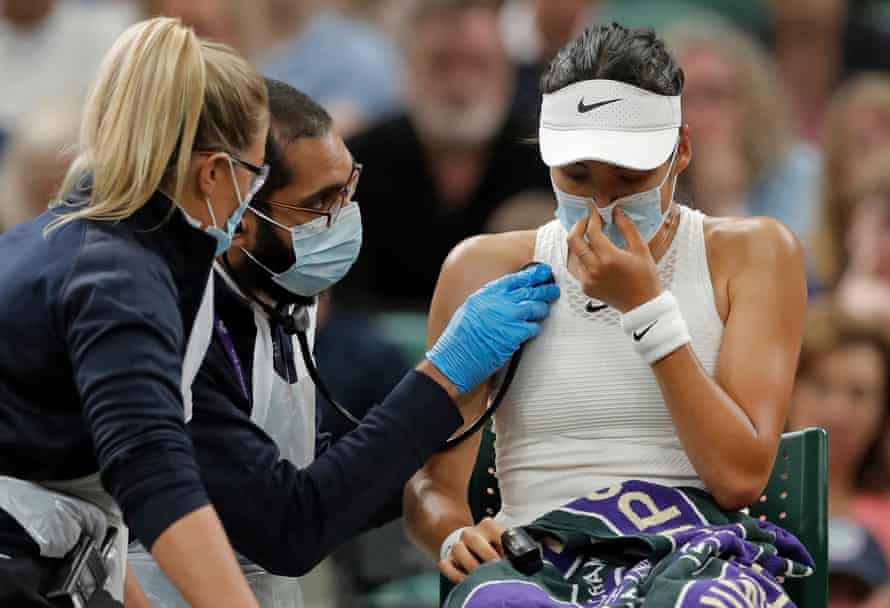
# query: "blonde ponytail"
161 92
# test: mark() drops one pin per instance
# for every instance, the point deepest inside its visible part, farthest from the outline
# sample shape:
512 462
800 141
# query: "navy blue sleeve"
324 439
125 341
288 519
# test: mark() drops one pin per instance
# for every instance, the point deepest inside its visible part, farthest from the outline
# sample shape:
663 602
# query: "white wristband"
657 328
452 538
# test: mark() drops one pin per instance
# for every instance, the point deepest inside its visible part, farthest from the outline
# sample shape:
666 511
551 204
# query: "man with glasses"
287 495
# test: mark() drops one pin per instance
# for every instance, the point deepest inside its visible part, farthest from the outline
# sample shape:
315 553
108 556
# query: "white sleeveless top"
584 410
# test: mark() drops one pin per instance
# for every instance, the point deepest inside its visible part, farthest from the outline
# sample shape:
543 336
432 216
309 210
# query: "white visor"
608 121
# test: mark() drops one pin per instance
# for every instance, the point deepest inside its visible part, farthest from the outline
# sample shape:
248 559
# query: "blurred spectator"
533 32
238 23
347 66
819 43
51 49
40 151
842 386
747 159
375 365
527 210
857 128
663 14
864 287
856 566
434 175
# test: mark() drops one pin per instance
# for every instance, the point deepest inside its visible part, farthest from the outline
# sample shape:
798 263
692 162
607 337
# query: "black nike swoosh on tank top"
591 308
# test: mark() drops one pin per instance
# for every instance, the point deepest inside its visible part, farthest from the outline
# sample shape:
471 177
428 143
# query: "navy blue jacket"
288 519
94 322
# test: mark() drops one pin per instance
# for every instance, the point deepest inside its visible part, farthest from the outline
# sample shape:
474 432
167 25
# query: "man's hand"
492 324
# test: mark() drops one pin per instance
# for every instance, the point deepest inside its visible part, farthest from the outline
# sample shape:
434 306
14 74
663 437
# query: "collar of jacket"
161 221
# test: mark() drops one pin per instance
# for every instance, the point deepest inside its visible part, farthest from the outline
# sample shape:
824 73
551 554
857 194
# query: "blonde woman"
105 313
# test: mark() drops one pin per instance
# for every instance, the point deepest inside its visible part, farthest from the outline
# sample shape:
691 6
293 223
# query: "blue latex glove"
492 324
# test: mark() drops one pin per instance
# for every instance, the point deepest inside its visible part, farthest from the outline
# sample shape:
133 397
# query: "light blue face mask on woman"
323 254
643 208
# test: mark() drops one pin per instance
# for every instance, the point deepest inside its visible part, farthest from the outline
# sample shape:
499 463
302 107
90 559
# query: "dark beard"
277 257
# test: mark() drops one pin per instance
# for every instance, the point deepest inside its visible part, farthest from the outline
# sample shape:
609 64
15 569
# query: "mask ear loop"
265 217
269 219
237 193
671 166
210 209
235 180
673 181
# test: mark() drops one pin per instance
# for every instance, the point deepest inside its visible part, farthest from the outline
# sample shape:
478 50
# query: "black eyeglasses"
260 172
328 206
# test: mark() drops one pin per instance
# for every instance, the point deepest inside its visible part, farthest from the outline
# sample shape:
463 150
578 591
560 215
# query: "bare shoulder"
479 259
472 264
735 244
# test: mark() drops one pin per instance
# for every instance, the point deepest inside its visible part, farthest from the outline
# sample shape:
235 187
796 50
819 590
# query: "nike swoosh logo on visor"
585 108
591 308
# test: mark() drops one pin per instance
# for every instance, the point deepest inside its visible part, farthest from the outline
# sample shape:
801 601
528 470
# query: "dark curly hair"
613 52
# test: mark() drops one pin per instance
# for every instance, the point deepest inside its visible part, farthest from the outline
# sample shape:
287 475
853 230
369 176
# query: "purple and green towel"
642 544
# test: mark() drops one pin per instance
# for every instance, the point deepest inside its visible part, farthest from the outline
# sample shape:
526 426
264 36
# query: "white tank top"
584 410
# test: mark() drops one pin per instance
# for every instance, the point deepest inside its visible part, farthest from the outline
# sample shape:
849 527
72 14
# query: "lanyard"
223 334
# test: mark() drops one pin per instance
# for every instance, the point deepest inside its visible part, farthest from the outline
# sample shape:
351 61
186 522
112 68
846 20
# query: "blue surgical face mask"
323 254
643 208
225 235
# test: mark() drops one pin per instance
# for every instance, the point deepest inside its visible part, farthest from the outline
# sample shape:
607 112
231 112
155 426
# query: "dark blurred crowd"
788 102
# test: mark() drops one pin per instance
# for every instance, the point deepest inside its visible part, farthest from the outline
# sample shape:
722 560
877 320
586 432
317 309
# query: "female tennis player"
670 357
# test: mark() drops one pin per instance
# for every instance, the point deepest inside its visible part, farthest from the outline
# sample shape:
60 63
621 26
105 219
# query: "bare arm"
435 500
134 596
195 554
730 425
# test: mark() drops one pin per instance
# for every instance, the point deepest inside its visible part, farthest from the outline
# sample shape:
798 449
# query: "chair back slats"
796 498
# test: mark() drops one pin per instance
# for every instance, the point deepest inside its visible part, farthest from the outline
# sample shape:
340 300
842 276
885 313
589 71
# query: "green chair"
795 498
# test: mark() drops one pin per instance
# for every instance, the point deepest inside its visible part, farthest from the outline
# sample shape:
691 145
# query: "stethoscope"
294 320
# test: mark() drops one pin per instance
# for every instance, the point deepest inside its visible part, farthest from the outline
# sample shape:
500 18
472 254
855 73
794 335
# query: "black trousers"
23 581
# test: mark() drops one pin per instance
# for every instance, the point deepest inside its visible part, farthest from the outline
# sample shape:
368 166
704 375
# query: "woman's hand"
623 279
476 545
